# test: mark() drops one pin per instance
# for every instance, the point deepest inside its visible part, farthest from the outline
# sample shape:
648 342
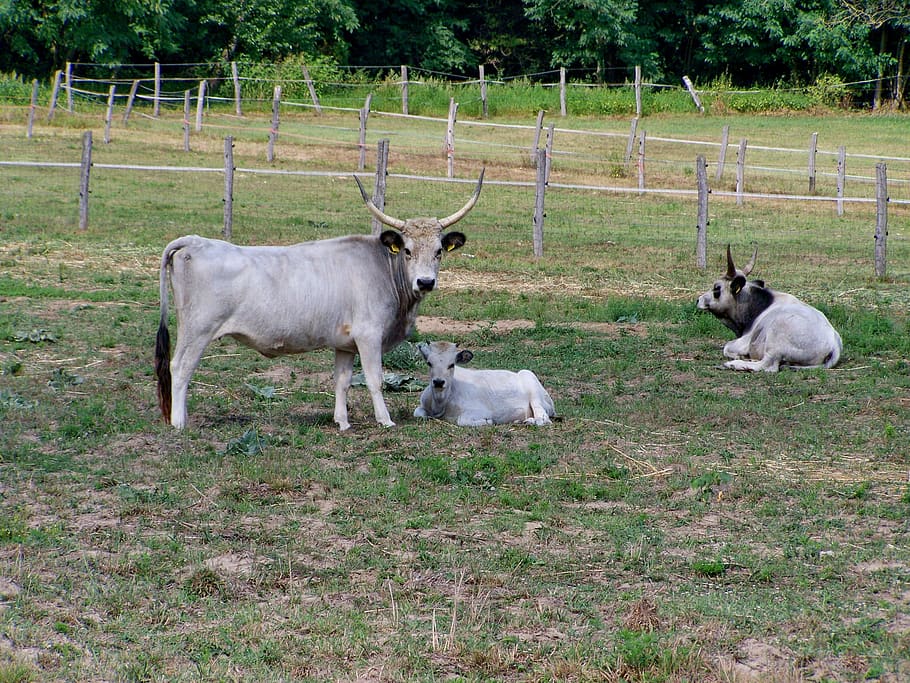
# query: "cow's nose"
439 383
426 284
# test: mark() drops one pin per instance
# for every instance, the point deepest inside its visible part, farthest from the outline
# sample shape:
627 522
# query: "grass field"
680 523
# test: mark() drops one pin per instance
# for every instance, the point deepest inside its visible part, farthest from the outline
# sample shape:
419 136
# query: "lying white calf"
472 398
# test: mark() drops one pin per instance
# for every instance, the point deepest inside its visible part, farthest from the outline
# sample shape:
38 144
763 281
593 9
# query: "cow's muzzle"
439 383
426 284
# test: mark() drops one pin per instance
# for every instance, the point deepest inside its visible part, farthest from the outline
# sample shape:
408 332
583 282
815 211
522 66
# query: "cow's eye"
716 291
439 253
407 252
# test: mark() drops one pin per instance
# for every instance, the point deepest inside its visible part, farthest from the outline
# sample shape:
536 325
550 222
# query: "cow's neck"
752 306
406 302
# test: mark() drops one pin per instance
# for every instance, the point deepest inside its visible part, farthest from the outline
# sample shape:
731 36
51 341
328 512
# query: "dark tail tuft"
163 370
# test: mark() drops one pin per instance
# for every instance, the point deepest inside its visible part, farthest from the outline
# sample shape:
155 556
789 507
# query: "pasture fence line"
701 192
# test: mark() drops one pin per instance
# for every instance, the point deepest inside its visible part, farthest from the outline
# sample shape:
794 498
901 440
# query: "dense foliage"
749 42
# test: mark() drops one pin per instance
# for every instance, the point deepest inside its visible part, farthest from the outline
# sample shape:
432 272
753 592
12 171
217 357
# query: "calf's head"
441 358
421 242
735 301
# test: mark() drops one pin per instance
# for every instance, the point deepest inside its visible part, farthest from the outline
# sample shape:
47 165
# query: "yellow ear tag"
394 248
450 247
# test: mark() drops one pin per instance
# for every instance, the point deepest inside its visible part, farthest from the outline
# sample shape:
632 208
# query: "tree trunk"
899 85
877 97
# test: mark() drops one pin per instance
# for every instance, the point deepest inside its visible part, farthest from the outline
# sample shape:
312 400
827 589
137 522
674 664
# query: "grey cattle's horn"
751 264
731 269
379 215
463 211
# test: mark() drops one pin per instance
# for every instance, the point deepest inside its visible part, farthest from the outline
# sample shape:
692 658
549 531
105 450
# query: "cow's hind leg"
344 368
184 363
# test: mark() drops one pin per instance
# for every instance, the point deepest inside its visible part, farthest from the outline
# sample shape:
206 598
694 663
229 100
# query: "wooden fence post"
881 220
701 237
537 130
311 88
109 115
238 101
58 77
68 85
841 178
156 104
273 131
630 143
641 161
364 114
382 172
813 149
186 120
539 202
722 156
404 90
562 90
228 228
84 172
450 138
740 171
549 149
31 108
131 98
200 103
638 91
691 89
483 92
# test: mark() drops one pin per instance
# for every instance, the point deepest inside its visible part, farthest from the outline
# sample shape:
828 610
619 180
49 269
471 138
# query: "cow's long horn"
380 216
751 264
463 211
731 269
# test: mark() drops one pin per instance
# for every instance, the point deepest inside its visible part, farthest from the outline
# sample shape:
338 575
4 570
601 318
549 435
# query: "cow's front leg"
371 360
344 368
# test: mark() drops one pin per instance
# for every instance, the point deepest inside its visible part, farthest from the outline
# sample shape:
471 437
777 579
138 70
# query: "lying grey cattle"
473 398
354 294
773 329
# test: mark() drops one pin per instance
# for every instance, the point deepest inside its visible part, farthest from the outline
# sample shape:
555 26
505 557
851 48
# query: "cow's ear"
393 240
464 356
760 283
424 349
453 240
737 285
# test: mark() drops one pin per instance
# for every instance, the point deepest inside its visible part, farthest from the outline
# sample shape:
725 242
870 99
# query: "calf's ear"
464 356
737 285
393 240
453 240
424 349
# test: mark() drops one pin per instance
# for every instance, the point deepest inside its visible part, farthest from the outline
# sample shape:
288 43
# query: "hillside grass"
679 523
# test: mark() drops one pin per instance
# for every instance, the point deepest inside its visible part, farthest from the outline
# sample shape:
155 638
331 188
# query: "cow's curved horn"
379 215
731 269
463 211
751 264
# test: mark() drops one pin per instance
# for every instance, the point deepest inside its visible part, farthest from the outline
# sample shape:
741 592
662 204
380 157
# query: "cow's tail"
163 339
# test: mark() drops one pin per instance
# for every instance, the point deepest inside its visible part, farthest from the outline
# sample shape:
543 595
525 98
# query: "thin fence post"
630 143
200 103
364 115
813 149
186 120
311 88
273 131
537 130
701 236
31 108
382 172
450 138
84 172
404 89
740 171
562 90
483 92
228 228
109 114
131 98
693 93
539 214
68 84
238 101
641 161
881 220
58 77
549 149
722 156
156 102
841 178
637 90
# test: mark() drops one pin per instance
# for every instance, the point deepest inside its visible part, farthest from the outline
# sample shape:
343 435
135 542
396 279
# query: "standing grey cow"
472 398
354 294
773 329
